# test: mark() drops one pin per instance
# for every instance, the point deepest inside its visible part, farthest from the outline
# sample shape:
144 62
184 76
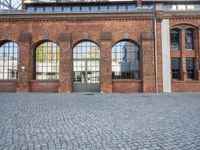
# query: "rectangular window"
103 8
66 9
85 8
121 8
31 9
57 9
48 9
76 9
40 9
175 66
189 39
190 68
94 8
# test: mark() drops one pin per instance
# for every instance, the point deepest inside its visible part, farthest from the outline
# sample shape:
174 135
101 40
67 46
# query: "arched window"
175 39
9 60
86 62
189 39
125 61
46 61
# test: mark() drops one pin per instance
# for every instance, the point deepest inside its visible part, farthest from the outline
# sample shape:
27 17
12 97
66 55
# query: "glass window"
175 39
85 8
31 9
121 8
94 8
57 9
86 56
66 9
181 7
190 68
9 60
189 39
131 7
76 9
125 61
175 66
48 9
47 61
103 8
191 7
39 9
112 8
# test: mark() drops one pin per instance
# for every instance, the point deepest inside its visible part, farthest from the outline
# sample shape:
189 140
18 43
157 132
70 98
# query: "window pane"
125 61
9 61
175 39
190 68
46 56
175 66
189 39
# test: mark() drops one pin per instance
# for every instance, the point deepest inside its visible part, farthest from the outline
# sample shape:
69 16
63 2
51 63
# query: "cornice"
75 17
181 15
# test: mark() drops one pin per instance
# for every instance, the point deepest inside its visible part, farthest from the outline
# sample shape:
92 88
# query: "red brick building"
128 46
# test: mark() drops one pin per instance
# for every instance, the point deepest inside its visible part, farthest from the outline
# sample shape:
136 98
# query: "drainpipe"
155 53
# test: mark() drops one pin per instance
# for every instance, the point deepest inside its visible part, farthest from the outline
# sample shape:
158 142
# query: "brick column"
183 55
65 74
148 72
23 67
106 67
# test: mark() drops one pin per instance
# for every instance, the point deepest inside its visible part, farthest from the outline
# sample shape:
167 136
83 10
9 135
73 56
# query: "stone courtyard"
90 121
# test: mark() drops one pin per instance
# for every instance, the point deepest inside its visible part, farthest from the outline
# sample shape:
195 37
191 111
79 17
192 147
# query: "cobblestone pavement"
100 121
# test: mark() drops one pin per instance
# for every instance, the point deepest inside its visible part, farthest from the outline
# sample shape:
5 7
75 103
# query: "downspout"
155 53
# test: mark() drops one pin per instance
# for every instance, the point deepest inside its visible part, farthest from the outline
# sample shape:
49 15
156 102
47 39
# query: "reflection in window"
48 9
58 9
190 68
189 39
85 8
175 39
175 66
9 60
86 57
47 61
125 61
103 8
121 8
39 9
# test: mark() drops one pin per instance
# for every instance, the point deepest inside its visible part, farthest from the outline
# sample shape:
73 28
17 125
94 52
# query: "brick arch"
36 44
2 42
186 24
128 40
85 40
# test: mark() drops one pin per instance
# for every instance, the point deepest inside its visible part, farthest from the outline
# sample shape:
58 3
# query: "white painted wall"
166 64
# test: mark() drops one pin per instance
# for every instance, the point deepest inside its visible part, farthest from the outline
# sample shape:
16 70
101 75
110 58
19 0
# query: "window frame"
176 72
174 48
134 61
12 51
47 75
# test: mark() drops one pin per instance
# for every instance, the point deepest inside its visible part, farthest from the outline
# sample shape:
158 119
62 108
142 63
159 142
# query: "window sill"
126 80
8 80
35 81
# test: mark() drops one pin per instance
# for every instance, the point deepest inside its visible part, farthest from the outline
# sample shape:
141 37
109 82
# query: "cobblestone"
101 121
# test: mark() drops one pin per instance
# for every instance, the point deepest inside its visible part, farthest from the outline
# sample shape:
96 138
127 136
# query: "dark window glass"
190 68
175 62
47 61
125 61
9 60
189 39
175 39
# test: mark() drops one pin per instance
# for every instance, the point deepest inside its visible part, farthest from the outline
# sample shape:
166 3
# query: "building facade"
122 46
